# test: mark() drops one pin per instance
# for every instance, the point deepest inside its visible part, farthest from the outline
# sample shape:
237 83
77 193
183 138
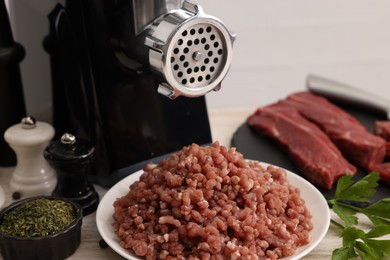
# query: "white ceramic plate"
315 202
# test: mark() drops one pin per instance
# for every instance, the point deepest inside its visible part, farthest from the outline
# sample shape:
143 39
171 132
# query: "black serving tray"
256 147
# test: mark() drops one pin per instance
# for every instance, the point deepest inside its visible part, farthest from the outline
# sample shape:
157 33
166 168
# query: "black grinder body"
113 106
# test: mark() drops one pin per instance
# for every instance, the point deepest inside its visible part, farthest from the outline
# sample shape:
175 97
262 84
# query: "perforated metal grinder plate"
198 55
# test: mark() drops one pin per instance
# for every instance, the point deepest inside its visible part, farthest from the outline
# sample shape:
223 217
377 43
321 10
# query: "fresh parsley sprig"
357 242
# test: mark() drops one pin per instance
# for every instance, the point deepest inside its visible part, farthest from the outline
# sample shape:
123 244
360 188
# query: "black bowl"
54 247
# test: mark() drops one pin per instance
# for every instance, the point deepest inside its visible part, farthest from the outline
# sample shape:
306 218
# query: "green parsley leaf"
346 214
356 242
378 231
343 184
350 234
359 191
367 252
379 212
344 253
379 245
378 221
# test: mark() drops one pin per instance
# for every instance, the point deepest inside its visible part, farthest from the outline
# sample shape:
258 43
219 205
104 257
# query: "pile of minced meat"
211 203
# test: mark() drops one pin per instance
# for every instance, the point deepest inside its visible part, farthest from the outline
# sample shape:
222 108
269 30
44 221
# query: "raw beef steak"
350 136
310 148
382 129
383 170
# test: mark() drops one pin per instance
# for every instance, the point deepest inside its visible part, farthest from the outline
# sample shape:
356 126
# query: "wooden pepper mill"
32 176
72 160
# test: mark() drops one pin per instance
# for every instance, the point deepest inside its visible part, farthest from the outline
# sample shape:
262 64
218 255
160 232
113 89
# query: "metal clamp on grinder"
112 60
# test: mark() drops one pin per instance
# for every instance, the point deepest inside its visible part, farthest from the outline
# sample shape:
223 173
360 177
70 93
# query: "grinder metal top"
191 50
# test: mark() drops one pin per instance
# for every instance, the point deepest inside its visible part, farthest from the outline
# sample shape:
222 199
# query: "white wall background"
29 27
279 42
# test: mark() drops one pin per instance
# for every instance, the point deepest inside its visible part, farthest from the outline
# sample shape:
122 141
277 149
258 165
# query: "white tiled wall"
278 43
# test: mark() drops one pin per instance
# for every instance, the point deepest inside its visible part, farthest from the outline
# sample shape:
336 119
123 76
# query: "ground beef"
211 203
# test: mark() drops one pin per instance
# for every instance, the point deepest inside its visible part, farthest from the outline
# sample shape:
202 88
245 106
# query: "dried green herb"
37 218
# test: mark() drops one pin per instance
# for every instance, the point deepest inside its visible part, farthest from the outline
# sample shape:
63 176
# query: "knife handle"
344 93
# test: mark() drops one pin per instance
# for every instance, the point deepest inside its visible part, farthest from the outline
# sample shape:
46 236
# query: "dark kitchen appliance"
12 107
130 75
